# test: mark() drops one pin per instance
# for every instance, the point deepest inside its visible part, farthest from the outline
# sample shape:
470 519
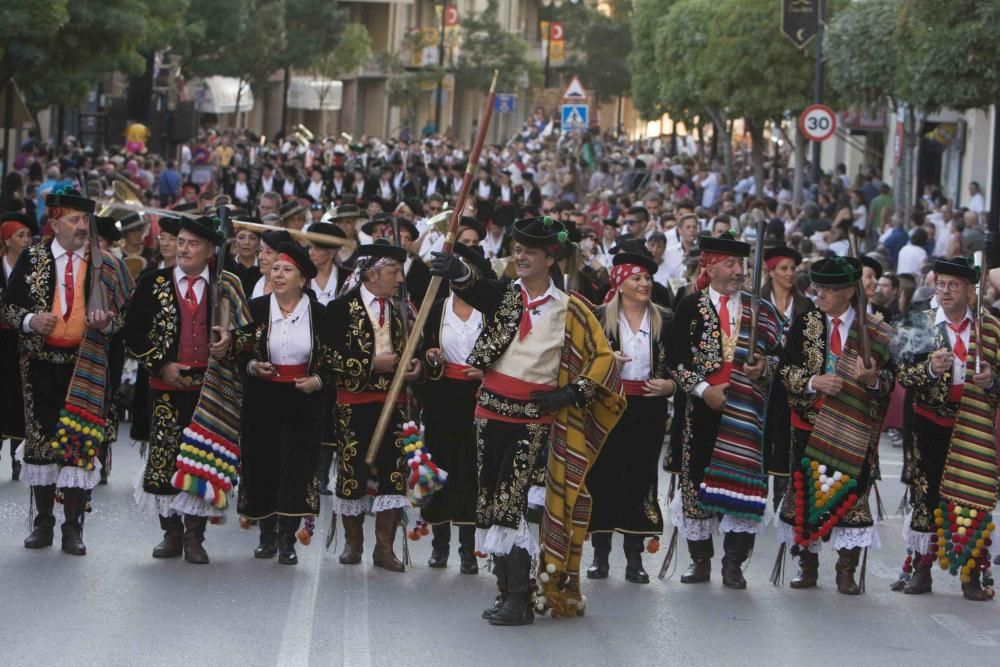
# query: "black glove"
555 400
448 266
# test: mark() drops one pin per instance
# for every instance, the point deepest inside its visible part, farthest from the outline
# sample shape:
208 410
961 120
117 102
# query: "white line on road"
296 639
355 640
962 630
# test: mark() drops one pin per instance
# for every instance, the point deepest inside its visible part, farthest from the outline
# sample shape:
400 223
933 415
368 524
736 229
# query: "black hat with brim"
67 197
379 219
23 218
645 261
346 212
275 237
186 206
475 256
206 227
289 209
779 251
131 221
835 272
724 244
872 264
471 223
382 249
611 222
328 229
544 232
960 267
107 229
299 257
170 225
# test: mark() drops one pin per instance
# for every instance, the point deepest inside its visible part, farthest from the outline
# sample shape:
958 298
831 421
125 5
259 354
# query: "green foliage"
861 53
685 72
26 29
596 44
643 61
486 47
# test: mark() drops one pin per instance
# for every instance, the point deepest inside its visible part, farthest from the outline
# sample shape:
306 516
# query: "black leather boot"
973 590
700 570
45 520
440 545
602 550
172 545
15 465
194 536
808 571
354 539
500 570
287 525
634 571
516 606
467 550
920 582
74 506
268 546
737 548
847 563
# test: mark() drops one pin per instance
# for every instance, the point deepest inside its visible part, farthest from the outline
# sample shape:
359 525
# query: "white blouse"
637 346
289 341
458 337
326 294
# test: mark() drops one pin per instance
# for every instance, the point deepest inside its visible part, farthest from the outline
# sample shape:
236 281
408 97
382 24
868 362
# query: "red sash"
63 343
634 387
947 422
366 397
513 388
722 375
457 372
288 374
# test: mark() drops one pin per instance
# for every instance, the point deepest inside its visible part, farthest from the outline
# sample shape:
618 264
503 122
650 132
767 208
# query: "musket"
98 298
425 307
758 275
980 260
863 346
219 316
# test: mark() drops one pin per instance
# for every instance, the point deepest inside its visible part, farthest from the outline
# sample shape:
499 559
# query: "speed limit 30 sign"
818 122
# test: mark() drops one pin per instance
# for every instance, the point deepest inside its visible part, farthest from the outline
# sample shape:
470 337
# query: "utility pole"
818 86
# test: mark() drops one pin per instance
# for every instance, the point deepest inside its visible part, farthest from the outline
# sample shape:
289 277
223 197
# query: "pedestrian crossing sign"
575 117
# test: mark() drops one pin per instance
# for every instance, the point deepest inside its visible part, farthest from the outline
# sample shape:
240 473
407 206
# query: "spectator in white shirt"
913 255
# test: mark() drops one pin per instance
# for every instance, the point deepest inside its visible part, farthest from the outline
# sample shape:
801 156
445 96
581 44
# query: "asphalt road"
118 606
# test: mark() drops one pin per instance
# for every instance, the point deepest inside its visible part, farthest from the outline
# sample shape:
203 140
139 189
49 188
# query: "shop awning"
306 93
217 94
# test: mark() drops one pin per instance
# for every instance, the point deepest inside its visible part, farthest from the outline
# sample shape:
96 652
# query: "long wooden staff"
425 307
863 345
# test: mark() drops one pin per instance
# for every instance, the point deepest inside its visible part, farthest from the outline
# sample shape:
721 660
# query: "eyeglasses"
950 286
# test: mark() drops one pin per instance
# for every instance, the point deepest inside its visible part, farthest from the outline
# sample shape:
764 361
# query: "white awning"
306 93
217 94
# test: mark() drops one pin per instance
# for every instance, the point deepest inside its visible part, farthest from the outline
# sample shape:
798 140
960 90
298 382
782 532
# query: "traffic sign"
574 91
818 122
504 103
575 117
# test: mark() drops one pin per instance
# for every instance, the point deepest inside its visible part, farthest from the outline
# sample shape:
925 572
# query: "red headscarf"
618 275
9 228
706 260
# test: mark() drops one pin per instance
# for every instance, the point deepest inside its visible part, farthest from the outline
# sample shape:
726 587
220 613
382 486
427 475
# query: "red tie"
69 286
381 311
191 297
724 314
524 328
959 347
836 345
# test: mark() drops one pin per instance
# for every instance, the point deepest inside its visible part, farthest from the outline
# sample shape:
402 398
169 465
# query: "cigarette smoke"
912 338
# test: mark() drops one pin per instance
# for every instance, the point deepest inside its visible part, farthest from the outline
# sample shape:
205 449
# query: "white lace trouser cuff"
919 542
351 507
499 540
389 502
536 497
186 503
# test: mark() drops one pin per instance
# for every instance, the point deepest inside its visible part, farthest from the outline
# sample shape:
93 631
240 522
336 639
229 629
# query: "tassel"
672 488
142 449
904 502
864 569
878 503
778 571
31 508
331 532
671 548
406 548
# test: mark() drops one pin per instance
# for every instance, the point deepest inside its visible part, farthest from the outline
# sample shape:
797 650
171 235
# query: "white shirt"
289 341
977 203
457 336
181 280
326 294
7 268
536 313
61 256
958 366
911 257
636 346
485 190
315 190
734 306
266 184
289 188
846 320
493 246
431 187
385 188
664 272
241 192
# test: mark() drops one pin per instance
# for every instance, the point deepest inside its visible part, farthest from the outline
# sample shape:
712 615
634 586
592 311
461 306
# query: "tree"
486 46
353 50
597 42
860 52
642 62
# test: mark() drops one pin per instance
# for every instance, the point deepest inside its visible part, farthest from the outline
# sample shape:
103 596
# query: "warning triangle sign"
575 91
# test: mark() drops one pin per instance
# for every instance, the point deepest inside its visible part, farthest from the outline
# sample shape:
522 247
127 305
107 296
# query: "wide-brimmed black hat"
724 244
328 229
475 256
275 237
382 248
131 221
471 223
107 229
67 197
835 272
23 218
348 211
780 251
206 227
186 206
378 219
645 261
170 225
873 264
544 232
288 209
960 267
611 222
299 257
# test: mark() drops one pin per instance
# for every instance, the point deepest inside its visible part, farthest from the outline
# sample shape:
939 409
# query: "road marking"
882 571
354 637
962 630
296 639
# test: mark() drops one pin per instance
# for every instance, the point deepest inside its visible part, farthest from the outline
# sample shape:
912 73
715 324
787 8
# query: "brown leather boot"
974 589
701 552
194 535
354 539
847 562
920 582
737 548
385 534
808 571
172 545
45 521
74 507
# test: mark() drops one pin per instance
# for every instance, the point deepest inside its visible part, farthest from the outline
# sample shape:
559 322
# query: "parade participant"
167 331
418 276
549 380
366 330
821 371
869 281
449 403
269 242
244 263
46 300
789 302
724 414
346 218
287 364
623 481
952 461
16 232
